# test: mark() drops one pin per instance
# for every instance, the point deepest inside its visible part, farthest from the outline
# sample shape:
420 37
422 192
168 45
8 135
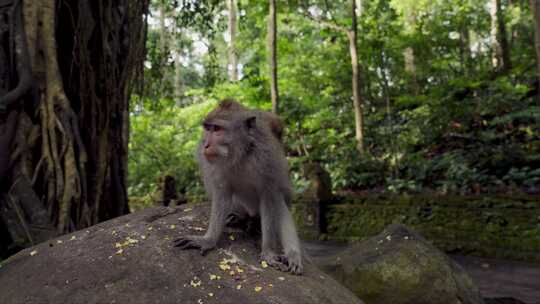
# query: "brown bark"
272 40
501 55
357 95
177 51
233 60
7 132
535 7
69 153
503 39
21 58
408 53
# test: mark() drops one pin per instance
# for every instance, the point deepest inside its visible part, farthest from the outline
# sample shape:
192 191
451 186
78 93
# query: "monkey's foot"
275 260
194 242
294 262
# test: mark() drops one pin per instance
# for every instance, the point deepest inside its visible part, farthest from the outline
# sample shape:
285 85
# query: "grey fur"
250 176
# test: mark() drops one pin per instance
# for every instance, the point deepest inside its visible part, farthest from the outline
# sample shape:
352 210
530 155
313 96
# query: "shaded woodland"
412 135
401 97
433 97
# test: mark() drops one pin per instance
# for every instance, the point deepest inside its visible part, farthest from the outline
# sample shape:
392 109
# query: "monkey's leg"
290 241
220 210
270 219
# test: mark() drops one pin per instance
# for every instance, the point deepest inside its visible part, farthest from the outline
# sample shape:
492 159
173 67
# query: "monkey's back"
265 169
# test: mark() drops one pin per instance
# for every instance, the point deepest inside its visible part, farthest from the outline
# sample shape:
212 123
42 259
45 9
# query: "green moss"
492 226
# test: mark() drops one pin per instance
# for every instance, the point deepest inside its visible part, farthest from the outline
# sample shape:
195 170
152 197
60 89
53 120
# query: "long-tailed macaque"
245 172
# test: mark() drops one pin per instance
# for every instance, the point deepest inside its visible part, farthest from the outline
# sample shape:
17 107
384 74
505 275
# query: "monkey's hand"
195 242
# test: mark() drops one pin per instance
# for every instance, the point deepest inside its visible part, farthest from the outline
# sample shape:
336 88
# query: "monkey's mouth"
211 157
215 157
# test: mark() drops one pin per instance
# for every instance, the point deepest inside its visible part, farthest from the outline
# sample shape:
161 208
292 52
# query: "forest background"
388 96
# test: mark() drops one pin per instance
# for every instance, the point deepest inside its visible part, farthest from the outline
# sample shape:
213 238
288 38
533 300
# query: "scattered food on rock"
151 270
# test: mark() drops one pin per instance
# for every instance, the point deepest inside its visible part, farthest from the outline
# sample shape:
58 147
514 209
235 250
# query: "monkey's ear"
251 122
226 104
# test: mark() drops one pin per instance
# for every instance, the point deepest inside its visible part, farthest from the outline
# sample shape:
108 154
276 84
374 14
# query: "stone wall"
490 226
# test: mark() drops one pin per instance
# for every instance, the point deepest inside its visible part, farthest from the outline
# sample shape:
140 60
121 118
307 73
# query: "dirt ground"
496 278
502 278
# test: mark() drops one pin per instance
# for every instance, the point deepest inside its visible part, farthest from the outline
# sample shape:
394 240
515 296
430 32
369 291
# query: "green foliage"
525 175
446 122
164 143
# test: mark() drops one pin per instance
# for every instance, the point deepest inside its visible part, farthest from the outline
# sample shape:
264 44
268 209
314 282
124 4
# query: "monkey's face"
216 141
227 138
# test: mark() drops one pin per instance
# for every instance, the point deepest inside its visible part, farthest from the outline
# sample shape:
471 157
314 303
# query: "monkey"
238 218
245 171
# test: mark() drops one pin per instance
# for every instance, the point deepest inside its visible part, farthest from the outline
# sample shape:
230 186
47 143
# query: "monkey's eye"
217 128
212 128
208 127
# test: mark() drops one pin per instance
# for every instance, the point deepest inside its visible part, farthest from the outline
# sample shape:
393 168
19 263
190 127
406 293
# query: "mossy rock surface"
490 226
131 260
398 266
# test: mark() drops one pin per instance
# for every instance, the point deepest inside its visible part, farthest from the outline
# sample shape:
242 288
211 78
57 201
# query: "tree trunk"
69 152
503 39
166 47
408 53
535 7
465 49
410 65
163 34
177 54
233 62
513 27
357 95
501 55
496 57
272 39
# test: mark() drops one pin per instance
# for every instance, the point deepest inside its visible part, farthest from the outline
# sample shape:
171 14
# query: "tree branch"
22 58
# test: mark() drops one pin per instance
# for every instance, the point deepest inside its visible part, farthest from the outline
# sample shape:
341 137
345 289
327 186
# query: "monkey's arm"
220 210
277 225
290 241
221 205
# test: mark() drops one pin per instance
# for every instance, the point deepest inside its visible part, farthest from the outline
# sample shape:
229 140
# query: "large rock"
130 260
398 266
